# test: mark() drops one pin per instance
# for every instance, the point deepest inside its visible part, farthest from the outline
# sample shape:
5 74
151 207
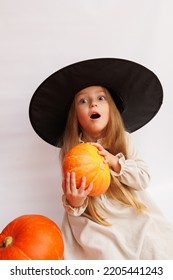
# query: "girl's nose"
93 104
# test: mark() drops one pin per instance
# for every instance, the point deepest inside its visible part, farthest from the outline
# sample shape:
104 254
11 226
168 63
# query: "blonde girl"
102 101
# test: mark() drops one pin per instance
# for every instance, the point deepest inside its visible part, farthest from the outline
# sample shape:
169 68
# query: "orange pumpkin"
31 237
84 160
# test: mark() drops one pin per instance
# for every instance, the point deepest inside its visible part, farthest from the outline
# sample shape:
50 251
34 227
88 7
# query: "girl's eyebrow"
83 94
80 95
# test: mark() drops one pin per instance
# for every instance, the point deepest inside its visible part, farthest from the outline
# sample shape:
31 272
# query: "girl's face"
92 110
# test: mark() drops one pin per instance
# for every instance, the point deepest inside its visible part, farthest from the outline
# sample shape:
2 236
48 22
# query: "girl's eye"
101 97
83 101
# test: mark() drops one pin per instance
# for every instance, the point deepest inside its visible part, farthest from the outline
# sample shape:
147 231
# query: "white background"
37 37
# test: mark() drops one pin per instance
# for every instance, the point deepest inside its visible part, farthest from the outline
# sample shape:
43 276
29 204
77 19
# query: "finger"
101 150
102 153
97 145
73 182
83 181
83 184
88 190
106 160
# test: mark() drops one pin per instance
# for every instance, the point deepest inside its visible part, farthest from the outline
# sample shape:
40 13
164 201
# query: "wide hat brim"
135 89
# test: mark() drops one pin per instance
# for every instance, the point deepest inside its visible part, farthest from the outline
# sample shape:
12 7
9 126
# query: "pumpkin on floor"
84 160
31 237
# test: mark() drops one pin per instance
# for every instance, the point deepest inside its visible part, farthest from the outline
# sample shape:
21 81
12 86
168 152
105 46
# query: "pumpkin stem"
6 242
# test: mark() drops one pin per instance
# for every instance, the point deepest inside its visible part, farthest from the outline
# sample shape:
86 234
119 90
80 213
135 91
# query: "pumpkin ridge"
77 164
91 150
96 176
58 254
89 167
21 252
82 156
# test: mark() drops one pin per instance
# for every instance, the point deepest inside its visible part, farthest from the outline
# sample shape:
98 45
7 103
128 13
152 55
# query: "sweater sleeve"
74 211
134 171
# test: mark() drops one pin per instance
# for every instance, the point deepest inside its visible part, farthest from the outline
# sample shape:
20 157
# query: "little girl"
122 223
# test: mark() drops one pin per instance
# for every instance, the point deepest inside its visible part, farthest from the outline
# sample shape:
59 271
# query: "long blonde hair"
113 139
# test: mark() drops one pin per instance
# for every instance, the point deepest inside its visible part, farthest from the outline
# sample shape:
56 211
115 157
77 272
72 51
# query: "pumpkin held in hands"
84 160
31 237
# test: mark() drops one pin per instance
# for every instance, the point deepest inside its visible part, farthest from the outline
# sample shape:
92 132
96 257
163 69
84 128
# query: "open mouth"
95 116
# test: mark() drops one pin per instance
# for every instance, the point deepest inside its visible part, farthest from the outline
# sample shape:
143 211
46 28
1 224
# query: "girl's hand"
74 196
110 159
